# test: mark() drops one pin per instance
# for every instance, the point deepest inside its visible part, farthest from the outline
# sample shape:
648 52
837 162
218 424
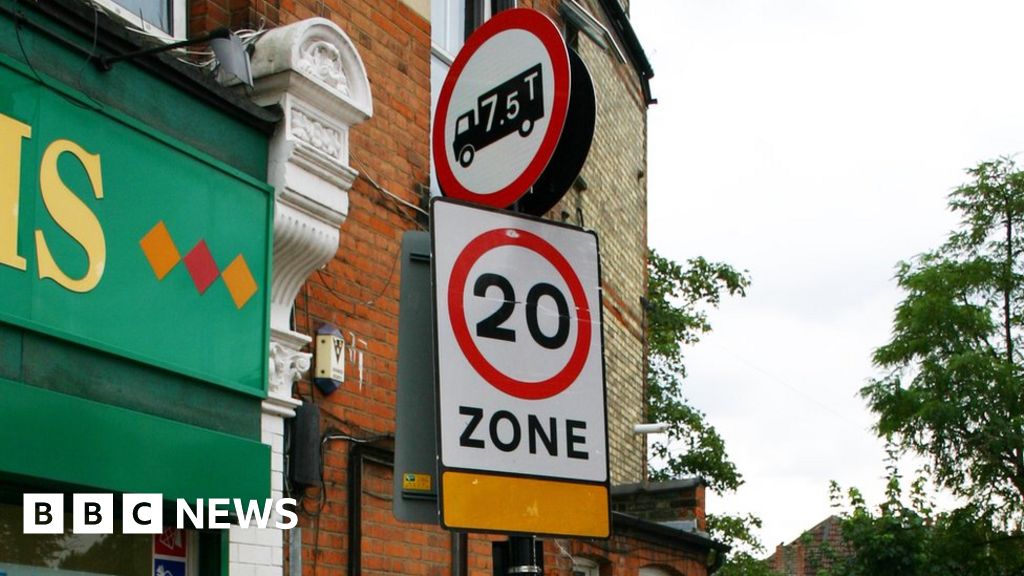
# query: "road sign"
573 146
501 109
520 373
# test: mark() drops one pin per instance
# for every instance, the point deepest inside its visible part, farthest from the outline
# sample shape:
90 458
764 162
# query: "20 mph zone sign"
520 374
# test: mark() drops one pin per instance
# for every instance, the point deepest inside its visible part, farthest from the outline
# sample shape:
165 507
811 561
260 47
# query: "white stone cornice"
314 59
302 243
312 71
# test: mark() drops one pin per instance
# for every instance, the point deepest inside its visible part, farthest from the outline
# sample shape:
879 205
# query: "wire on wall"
329 436
394 198
372 301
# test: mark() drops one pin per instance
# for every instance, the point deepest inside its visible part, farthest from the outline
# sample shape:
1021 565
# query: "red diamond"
201 266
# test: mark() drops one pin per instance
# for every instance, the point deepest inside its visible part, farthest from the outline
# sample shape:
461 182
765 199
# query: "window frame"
179 19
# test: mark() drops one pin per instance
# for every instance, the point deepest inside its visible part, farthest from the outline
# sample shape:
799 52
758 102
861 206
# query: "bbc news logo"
144 513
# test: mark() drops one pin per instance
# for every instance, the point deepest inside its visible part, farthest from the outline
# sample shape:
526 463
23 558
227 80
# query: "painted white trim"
312 71
585 567
592 27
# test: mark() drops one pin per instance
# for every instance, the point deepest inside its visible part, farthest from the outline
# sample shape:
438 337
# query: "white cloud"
814 143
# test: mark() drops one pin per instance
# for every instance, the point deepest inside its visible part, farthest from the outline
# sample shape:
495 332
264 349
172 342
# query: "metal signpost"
518 350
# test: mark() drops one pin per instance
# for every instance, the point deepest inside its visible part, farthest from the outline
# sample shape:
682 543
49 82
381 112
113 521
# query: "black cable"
19 18
333 434
371 301
95 42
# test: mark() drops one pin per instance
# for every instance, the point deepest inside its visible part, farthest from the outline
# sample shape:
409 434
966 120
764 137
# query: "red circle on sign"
456 288
547 32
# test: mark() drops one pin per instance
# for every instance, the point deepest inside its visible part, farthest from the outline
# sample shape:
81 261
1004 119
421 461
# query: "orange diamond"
239 281
160 250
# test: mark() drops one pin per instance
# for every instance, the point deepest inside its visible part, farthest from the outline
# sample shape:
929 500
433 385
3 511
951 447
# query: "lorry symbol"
514 105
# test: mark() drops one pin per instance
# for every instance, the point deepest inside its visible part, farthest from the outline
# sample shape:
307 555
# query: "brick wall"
663 501
623 555
614 204
813 551
393 40
358 290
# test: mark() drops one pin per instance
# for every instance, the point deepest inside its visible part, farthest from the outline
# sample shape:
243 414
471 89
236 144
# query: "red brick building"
405 47
343 91
812 552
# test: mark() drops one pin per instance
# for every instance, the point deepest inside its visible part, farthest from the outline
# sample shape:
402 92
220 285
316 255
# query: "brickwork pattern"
813 552
612 559
358 291
614 204
254 551
665 505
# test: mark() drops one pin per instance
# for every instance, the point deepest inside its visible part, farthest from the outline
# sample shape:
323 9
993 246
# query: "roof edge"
656 487
635 51
665 534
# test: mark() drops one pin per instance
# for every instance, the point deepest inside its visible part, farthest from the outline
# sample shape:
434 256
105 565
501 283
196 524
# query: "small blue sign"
162 567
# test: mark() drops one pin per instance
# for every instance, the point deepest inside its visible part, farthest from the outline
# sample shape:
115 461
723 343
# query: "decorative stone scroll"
313 72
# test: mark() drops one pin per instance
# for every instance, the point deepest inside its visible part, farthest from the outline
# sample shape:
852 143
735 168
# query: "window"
578 19
177 552
162 18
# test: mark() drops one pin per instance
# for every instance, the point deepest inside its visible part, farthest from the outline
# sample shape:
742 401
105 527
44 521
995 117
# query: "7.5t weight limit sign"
520 369
501 109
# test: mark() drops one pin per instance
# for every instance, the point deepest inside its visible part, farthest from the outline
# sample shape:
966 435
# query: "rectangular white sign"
520 364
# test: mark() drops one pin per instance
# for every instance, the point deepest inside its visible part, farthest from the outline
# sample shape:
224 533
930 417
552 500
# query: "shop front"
135 242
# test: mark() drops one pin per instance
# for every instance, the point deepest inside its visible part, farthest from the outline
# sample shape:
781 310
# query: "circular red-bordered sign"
456 291
501 109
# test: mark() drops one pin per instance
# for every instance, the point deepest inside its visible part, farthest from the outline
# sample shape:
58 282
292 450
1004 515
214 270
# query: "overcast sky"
814 143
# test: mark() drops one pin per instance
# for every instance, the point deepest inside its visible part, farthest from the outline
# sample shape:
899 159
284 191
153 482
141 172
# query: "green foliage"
734 530
905 536
738 532
744 564
678 298
954 390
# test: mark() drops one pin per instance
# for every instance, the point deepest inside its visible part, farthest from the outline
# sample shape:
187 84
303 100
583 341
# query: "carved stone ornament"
323 62
312 71
286 368
317 134
309 57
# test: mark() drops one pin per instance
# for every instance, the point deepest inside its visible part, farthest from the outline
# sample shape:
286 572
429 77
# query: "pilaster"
312 71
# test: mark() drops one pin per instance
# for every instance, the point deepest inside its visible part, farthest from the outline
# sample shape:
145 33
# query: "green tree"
678 298
953 390
905 536
676 304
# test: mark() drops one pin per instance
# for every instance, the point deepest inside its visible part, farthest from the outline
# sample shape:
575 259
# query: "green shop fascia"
135 242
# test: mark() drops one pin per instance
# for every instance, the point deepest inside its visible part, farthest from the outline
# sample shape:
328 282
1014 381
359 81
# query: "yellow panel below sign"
527 505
